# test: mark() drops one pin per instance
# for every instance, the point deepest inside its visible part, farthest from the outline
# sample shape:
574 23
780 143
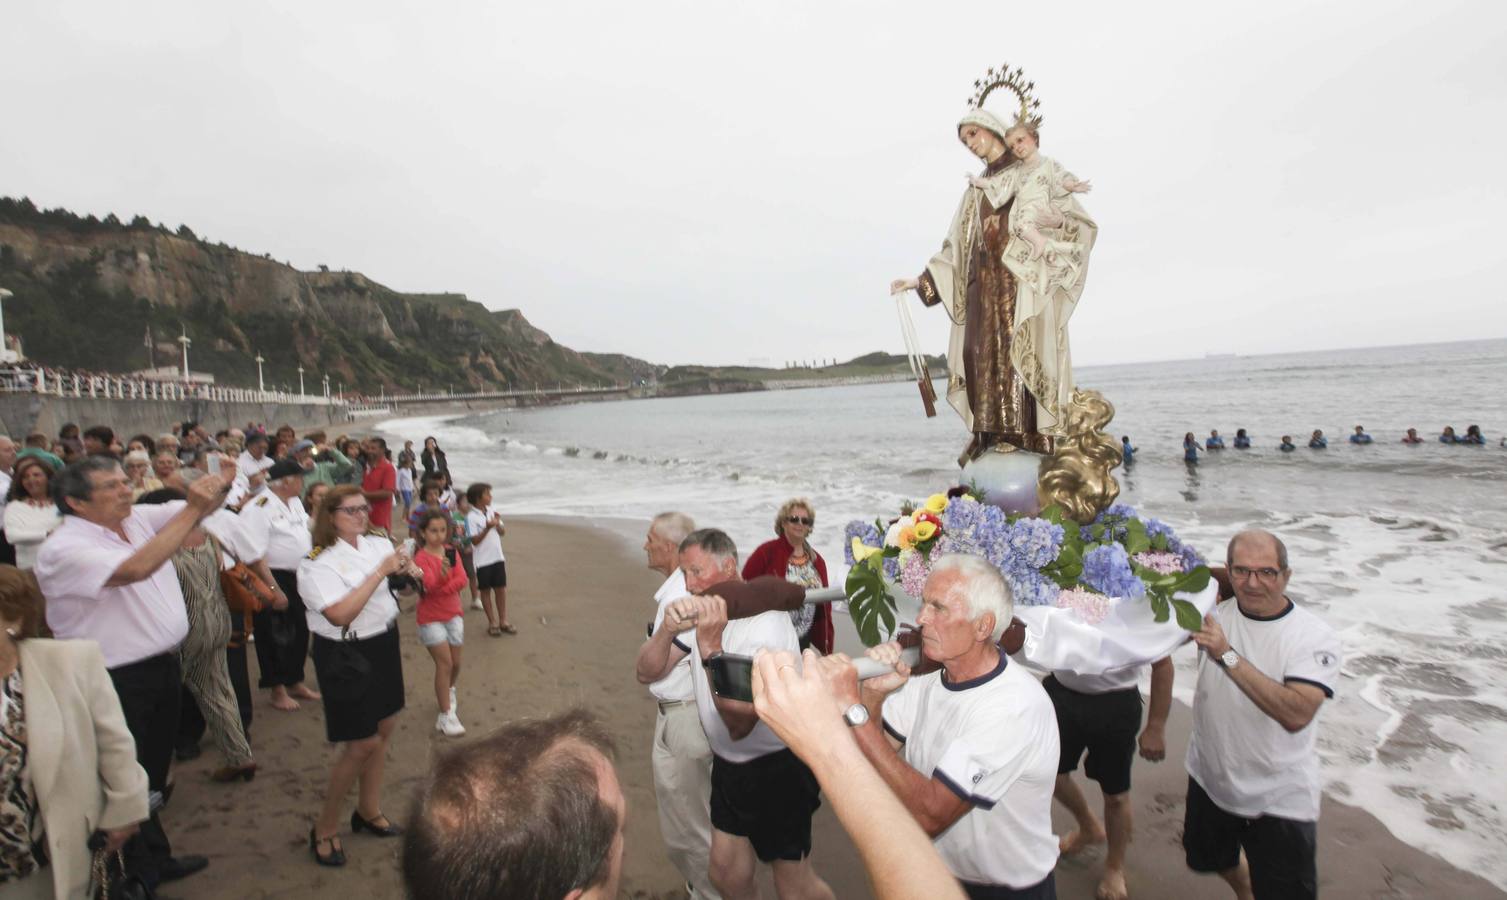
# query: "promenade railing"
53 383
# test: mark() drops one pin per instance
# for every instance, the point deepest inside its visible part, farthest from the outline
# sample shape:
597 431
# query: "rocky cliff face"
89 293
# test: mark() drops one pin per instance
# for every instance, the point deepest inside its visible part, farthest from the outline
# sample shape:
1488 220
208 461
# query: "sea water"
1402 549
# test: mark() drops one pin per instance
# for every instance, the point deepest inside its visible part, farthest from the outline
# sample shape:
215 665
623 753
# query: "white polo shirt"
1248 763
247 466
676 685
771 630
277 531
993 741
131 622
329 573
488 550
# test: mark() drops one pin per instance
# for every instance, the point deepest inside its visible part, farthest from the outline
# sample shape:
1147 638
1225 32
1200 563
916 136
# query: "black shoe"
176 867
359 825
186 752
336 856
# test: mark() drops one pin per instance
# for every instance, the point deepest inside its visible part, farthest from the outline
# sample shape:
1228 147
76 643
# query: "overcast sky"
723 183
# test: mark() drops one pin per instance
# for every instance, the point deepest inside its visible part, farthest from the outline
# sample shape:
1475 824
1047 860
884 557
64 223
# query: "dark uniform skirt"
356 719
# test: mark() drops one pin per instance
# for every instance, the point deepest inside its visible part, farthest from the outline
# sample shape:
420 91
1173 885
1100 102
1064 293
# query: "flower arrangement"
1047 559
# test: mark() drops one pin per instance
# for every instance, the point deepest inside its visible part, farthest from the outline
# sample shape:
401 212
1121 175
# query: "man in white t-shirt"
484 528
762 796
1099 715
1253 771
681 756
253 463
977 739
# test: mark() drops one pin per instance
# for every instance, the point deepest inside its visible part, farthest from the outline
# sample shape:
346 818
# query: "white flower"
892 536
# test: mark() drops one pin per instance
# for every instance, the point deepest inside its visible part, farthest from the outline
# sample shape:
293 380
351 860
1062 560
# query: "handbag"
347 671
244 590
113 882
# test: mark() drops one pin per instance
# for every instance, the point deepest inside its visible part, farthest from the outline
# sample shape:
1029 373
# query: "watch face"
1229 658
856 715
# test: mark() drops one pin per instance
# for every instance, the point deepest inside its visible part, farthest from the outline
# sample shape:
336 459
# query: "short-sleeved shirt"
248 466
488 550
329 573
771 630
1245 760
131 622
676 685
381 477
991 740
278 531
1103 683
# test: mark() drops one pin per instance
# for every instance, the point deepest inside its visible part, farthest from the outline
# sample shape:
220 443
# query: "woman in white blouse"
30 512
345 587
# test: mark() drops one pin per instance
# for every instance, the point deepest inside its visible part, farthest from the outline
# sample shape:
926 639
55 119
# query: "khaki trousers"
683 786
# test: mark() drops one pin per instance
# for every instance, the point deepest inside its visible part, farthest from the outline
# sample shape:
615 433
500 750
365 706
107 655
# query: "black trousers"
150 693
282 637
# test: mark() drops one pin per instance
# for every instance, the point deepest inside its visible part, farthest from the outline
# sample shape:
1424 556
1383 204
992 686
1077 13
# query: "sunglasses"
801 520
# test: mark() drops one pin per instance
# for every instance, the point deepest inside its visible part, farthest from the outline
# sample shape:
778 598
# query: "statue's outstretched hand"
1073 185
900 285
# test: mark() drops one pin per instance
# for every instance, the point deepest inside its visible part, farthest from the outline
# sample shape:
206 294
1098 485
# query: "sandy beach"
580 598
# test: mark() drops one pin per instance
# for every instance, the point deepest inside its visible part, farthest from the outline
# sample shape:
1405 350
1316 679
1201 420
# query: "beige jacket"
81 756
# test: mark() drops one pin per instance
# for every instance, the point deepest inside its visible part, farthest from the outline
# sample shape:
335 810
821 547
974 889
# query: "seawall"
24 413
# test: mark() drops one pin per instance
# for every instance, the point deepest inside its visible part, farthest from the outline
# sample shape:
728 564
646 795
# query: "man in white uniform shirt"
763 796
107 576
978 738
254 462
278 528
1253 772
682 758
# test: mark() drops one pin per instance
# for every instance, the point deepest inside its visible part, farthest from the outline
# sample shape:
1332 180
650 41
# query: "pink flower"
913 572
1091 607
1161 562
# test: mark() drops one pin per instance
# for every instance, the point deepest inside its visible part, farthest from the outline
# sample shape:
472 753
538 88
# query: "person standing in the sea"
1253 766
1317 441
1009 276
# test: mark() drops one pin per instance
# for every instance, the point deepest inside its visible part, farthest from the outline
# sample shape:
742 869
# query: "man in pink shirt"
380 483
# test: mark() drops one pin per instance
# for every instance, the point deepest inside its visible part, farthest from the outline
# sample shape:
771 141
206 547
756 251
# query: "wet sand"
581 598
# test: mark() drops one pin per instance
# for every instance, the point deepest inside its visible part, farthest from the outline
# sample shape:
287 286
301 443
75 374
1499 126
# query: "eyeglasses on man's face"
1266 573
361 510
801 520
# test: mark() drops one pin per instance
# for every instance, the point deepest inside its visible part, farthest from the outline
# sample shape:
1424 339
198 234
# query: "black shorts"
1282 853
1045 889
492 576
1105 725
768 800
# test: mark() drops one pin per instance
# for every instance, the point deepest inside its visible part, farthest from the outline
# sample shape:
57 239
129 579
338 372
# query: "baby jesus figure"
1041 188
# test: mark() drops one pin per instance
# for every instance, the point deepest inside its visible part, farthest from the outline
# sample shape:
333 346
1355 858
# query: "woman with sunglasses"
791 557
351 608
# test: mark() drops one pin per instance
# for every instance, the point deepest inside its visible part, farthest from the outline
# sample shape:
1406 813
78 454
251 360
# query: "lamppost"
185 341
300 381
261 387
4 295
327 388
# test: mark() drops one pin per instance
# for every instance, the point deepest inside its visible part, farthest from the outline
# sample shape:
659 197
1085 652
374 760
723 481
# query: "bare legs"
362 761
732 866
1239 880
446 671
281 700
1089 831
1116 829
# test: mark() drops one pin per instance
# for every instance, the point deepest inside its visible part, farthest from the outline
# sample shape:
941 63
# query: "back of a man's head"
517 814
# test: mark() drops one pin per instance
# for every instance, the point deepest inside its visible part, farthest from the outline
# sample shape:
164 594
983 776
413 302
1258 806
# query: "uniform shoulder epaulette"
314 554
261 501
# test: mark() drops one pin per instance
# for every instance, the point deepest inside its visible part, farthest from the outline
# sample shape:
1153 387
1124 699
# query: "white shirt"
330 573
488 550
278 531
1248 763
248 466
743 637
405 479
131 622
993 741
1113 680
4 491
27 525
676 685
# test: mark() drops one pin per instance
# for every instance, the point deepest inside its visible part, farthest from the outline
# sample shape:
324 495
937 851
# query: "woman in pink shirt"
441 624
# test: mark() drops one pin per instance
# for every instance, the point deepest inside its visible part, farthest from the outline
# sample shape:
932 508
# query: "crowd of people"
1215 442
153 580
134 573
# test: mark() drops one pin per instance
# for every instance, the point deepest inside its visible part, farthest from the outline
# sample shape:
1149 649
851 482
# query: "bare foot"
1112 886
304 692
281 700
1077 840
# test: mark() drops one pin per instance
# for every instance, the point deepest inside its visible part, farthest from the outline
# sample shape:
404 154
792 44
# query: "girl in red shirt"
441 624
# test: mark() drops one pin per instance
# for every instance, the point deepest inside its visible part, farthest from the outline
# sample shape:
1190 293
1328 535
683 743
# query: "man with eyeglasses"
1267 666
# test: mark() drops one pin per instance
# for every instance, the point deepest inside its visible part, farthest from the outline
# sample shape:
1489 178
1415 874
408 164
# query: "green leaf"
1187 615
1136 540
1159 543
869 601
1159 607
1194 581
1052 514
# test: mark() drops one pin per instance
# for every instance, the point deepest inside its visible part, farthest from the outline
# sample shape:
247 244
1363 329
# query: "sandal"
336 856
509 628
494 631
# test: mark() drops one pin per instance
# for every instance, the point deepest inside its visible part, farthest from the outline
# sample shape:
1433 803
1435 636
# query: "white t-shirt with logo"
993 741
676 685
1244 759
771 630
488 550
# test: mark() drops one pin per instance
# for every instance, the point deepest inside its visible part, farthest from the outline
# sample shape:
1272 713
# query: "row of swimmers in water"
1316 441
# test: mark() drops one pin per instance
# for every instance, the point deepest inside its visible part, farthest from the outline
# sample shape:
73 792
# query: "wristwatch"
1228 658
856 715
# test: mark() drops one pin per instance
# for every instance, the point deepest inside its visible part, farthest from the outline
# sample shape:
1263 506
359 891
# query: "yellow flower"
925 531
907 539
936 504
862 551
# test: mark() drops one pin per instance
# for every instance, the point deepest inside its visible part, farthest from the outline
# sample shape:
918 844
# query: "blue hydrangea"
867 535
1107 570
1191 558
1031 588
